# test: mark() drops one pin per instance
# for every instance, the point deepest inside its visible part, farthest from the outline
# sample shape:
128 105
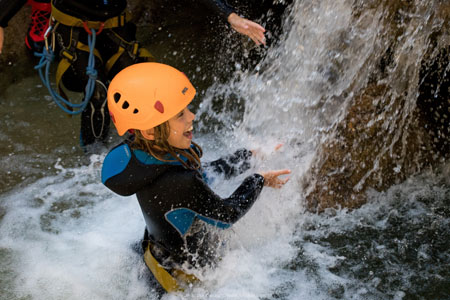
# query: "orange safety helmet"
146 95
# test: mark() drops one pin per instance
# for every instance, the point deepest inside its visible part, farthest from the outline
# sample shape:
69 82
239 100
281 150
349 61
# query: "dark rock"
398 124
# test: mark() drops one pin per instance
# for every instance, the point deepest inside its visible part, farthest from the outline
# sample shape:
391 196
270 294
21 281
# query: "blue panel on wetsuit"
148 159
183 218
221 225
115 162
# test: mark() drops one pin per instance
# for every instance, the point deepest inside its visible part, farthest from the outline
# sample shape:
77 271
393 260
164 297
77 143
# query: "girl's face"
181 129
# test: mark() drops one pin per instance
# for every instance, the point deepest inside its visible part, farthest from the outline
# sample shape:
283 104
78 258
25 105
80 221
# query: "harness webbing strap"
143 52
63 65
68 57
167 281
69 20
110 63
132 47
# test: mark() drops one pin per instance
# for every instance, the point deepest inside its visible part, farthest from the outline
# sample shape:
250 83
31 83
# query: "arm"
221 8
235 206
207 205
231 209
8 9
231 165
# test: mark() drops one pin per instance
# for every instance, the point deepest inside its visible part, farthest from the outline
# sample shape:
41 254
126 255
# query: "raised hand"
249 28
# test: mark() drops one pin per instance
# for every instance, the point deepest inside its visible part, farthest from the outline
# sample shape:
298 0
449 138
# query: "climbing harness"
47 57
170 280
69 54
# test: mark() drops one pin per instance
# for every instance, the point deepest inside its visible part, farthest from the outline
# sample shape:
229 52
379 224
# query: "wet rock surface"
398 124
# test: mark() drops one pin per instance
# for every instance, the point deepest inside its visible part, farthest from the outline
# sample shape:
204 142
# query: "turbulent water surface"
65 236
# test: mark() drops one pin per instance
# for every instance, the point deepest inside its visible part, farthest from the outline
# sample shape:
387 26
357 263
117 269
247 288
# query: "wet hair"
160 147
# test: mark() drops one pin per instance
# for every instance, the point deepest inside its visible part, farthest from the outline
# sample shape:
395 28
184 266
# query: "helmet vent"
125 104
116 97
135 111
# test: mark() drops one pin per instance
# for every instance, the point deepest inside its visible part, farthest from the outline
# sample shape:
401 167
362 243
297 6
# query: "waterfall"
356 91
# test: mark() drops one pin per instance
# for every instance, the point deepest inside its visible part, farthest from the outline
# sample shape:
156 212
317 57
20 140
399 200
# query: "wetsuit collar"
148 159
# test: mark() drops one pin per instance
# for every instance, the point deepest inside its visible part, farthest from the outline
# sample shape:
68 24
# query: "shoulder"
116 161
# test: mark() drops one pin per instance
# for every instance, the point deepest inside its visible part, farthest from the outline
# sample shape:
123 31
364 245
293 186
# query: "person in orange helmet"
161 165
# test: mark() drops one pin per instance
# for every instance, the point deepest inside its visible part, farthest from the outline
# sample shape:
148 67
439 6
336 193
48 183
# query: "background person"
115 48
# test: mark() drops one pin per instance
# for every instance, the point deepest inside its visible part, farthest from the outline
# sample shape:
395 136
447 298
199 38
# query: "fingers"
281 172
249 28
261 155
277 147
255 40
258 40
271 178
256 32
280 183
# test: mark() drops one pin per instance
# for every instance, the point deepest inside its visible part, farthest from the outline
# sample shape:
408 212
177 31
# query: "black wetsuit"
175 199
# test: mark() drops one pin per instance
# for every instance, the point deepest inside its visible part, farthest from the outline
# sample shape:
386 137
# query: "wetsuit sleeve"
219 7
8 9
231 165
201 199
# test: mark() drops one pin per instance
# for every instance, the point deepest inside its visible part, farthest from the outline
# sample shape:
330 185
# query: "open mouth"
188 134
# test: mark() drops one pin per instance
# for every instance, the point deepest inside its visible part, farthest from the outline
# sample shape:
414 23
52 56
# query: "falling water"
65 236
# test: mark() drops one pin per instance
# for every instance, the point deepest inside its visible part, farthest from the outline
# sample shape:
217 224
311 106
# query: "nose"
191 115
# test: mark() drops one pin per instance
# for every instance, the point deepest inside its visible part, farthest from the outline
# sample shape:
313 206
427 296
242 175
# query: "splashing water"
65 236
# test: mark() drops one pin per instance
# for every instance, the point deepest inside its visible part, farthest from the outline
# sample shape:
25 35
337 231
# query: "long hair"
160 148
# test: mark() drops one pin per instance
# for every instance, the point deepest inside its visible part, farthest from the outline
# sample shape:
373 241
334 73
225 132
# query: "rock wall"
15 61
394 127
